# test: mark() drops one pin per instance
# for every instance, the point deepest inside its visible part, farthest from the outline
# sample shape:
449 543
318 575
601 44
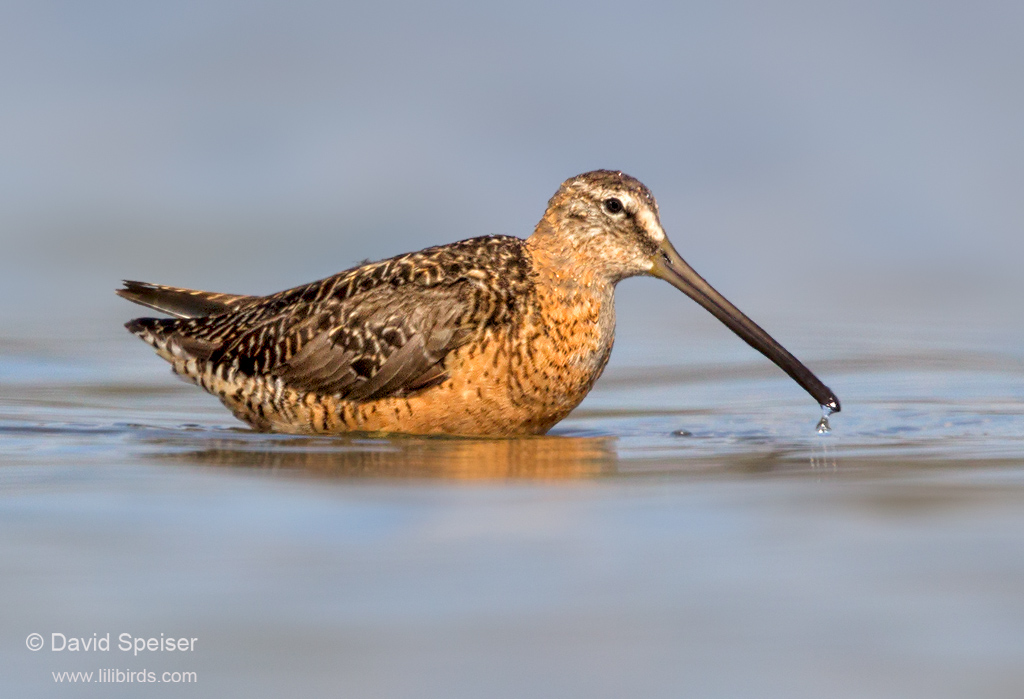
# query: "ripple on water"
673 420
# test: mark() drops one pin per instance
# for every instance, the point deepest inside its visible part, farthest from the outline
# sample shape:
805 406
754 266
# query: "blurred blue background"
864 158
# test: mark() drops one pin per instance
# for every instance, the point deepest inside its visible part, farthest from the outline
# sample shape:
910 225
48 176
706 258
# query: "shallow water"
685 532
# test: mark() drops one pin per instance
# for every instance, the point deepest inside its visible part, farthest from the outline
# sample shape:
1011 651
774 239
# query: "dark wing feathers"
429 336
382 346
374 331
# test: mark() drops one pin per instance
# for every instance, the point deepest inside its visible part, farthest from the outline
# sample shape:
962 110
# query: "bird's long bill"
673 269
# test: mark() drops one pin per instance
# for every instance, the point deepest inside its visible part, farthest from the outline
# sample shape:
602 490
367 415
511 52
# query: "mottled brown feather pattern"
489 336
371 332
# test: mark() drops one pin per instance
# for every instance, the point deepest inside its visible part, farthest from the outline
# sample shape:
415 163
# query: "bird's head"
608 224
603 226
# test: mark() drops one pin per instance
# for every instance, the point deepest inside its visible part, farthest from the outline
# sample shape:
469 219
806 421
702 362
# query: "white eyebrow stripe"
650 224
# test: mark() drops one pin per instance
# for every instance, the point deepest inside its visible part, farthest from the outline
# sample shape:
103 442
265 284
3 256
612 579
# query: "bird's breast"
558 350
574 327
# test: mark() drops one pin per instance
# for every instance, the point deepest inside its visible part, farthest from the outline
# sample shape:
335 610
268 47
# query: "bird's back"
389 330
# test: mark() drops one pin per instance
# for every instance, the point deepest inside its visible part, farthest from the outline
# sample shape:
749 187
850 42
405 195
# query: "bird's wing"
389 345
375 331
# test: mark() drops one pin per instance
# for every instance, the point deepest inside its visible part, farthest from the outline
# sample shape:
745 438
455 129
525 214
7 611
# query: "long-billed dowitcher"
493 336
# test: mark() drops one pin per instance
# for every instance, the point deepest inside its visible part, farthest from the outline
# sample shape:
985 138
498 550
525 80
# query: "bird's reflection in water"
541 458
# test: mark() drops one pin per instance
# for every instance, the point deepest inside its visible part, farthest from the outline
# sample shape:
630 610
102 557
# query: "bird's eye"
613 205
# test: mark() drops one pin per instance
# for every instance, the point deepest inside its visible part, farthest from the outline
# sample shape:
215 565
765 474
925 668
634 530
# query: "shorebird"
491 336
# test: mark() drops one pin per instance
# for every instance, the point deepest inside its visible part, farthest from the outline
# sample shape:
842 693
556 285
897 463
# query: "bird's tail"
181 303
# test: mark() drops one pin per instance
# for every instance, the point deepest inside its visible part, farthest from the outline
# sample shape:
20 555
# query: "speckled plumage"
494 336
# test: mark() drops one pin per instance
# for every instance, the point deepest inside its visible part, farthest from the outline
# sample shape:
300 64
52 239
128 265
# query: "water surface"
685 531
